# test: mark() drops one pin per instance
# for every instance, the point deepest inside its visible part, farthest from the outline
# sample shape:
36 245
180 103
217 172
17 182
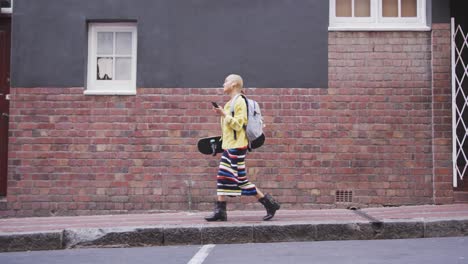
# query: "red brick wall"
370 132
442 115
381 83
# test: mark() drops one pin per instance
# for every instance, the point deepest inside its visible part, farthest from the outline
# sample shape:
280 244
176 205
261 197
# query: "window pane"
409 8
123 43
390 8
362 8
343 8
123 68
104 68
105 43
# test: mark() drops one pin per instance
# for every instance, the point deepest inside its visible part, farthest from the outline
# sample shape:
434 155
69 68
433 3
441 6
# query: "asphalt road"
408 251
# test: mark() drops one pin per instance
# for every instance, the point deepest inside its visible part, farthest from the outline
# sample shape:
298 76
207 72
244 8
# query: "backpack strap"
249 147
246 104
233 102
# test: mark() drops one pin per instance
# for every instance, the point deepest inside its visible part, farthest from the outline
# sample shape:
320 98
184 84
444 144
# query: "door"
5 36
460 93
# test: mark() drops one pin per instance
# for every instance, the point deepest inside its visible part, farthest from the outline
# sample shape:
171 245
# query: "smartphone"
215 105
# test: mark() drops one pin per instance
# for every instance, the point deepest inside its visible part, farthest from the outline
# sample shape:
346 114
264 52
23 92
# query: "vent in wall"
342 196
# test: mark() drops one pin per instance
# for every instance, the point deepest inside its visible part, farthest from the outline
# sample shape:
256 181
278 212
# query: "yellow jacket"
229 124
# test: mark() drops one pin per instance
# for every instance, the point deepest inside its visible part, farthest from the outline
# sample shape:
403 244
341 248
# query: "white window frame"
376 22
110 87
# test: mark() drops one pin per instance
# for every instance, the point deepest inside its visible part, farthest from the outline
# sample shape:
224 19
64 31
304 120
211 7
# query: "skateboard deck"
210 145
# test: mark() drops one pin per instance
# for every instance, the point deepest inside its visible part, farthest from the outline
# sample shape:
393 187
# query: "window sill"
379 28
6 10
103 92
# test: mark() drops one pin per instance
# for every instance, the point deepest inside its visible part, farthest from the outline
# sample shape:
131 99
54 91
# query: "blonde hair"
237 79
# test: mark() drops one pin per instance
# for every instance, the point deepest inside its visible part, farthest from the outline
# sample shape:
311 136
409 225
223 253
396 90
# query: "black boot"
219 213
271 206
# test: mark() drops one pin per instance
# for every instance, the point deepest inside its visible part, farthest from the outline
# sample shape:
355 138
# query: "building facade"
108 99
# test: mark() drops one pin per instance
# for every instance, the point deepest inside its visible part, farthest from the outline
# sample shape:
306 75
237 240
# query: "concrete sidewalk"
186 228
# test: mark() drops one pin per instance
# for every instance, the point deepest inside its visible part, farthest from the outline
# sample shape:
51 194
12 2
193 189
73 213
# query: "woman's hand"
219 111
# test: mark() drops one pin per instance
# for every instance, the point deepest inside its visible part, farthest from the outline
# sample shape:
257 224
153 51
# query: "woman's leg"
259 194
219 213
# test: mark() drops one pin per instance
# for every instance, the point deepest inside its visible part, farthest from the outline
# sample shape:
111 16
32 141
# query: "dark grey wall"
272 43
440 11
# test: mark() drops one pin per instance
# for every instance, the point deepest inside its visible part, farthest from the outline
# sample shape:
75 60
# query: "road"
408 251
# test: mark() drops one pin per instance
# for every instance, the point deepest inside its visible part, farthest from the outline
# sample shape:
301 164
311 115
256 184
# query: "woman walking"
232 178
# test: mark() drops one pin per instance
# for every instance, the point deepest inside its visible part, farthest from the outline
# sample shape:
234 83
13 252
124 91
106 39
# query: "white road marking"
201 254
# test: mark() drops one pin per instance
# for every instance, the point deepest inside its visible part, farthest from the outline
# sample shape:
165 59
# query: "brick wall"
442 115
381 82
370 132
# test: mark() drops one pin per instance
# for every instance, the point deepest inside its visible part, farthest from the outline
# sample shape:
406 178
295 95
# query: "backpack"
254 128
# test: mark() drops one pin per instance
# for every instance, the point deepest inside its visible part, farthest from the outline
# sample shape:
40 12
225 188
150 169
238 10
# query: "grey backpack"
254 128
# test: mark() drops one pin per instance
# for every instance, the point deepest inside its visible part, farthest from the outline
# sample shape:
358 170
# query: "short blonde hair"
236 79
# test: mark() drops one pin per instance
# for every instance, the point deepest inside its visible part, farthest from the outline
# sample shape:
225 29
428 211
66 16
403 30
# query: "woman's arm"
239 119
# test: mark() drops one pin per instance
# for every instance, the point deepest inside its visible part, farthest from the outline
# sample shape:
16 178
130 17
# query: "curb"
31 241
226 233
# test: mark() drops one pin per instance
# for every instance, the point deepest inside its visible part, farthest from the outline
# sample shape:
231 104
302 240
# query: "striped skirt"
232 176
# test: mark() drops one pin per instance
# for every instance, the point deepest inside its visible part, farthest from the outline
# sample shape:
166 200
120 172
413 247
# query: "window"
378 15
6 7
112 58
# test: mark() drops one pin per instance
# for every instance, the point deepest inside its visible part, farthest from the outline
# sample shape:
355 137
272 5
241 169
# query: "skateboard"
210 145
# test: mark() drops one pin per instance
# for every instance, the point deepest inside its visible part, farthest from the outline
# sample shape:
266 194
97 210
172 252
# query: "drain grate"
343 196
